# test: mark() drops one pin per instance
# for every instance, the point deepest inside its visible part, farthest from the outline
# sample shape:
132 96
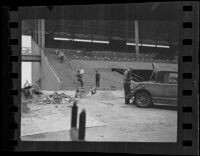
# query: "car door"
155 88
170 85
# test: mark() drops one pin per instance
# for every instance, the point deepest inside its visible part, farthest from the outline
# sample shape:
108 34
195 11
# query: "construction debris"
54 98
29 91
32 94
60 98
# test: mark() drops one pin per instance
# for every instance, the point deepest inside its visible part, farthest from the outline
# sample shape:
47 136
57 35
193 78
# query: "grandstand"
102 41
109 79
67 71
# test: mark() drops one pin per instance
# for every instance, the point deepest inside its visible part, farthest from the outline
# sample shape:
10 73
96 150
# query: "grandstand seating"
112 56
67 72
75 59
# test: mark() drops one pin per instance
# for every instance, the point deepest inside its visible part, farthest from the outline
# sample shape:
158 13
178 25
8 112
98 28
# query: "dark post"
82 122
74 115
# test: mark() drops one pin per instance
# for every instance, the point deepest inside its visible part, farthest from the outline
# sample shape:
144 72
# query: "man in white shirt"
61 56
81 71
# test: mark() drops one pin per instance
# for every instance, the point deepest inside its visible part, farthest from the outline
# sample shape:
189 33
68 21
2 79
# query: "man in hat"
97 78
127 88
80 78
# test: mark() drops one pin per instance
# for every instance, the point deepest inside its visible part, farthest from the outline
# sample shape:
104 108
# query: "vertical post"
74 116
136 39
35 36
39 32
43 33
82 121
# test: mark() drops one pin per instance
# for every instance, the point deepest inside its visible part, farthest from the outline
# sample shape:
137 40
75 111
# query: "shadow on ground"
165 107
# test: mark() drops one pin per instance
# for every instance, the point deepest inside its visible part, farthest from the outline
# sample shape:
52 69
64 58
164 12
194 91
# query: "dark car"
160 89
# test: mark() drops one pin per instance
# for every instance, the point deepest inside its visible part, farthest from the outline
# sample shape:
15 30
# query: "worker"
80 78
61 56
81 70
97 79
127 89
56 52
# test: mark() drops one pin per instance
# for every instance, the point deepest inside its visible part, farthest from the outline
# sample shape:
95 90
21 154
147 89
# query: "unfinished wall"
49 79
36 66
35 49
36 70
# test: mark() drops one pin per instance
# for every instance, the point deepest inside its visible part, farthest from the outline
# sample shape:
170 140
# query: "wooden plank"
31 58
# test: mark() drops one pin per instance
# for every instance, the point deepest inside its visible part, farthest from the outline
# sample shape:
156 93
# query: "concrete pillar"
42 33
39 33
39 36
35 31
136 39
37 43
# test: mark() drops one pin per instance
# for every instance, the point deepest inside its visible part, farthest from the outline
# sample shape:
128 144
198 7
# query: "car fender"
141 89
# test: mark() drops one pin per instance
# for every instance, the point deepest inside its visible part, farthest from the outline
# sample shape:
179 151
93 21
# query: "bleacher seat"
109 55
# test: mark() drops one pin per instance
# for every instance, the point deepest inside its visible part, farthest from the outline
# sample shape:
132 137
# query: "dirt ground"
123 123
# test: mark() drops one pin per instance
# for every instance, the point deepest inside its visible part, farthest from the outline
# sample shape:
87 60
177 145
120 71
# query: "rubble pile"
32 95
60 98
55 98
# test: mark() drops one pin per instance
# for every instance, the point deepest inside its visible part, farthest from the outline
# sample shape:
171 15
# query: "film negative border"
14 75
188 84
188 70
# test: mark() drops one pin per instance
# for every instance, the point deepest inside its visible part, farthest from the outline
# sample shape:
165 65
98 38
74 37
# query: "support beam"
136 39
31 58
42 33
35 38
39 32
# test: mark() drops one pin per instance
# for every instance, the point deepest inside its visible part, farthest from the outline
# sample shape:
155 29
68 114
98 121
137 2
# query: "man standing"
81 71
97 78
61 56
80 78
127 89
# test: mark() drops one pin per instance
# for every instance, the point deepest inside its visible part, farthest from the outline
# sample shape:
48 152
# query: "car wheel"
143 99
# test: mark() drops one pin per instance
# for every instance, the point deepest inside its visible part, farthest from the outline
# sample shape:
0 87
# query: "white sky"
26 66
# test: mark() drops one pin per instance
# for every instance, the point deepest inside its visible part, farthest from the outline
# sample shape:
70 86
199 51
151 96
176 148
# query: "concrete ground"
123 123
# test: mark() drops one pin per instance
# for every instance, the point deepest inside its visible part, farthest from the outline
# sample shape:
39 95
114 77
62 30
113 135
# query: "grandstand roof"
141 11
157 20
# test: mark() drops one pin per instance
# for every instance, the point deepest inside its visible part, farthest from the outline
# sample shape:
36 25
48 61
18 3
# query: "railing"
47 61
71 68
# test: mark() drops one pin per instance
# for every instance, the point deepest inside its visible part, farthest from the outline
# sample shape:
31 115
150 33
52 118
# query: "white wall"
26 73
26 66
26 41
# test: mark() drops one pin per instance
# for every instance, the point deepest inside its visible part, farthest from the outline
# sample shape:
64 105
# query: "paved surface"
123 122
